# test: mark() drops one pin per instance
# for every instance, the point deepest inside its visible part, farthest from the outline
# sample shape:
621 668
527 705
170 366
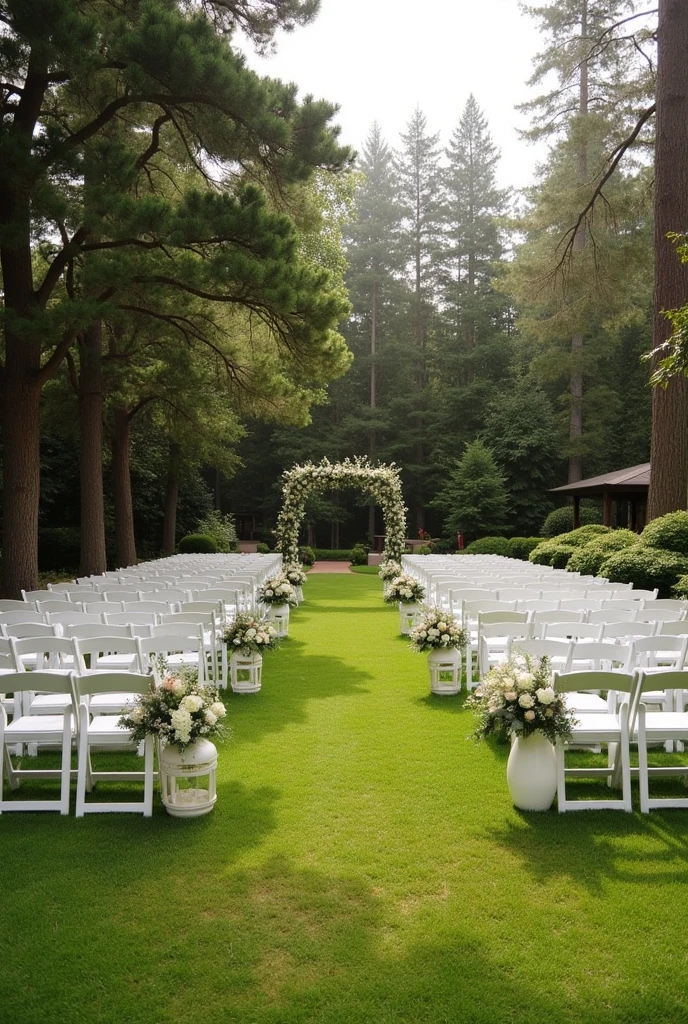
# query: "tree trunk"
669 476
93 557
373 400
169 525
576 378
125 543
21 421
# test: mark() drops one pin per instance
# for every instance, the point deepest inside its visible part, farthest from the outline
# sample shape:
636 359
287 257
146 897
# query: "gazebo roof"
635 479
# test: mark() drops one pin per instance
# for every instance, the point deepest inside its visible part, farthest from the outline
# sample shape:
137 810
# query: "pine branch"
50 368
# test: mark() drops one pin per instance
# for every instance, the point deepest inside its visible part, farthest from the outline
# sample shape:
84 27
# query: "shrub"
333 554
669 532
588 558
583 535
520 547
561 520
489 546
553 553
262 549
646 567
425 549
221 528
359 555
197 544
306 555
680 589
444 546
59 547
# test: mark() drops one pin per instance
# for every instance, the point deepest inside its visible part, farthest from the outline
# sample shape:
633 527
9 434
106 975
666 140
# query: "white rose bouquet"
389 570
404 588
250 634
517 698
295 575
177 711
277 590
437 631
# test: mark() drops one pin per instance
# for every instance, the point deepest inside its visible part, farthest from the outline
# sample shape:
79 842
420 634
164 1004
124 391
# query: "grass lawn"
363 864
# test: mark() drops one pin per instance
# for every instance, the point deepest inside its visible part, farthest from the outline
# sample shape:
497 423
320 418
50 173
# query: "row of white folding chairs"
628 721
79 721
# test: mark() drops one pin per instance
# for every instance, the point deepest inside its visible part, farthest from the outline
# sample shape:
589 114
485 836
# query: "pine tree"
474 499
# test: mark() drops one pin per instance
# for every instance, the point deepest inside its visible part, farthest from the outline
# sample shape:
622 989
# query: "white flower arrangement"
437 631
250 634
177 711
517 698
295 574
382 483
277 590
404 588
389 570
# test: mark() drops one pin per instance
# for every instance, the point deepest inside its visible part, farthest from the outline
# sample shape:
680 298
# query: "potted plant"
407 592
278 595
183 716
442 637
245 639
516 699
297 577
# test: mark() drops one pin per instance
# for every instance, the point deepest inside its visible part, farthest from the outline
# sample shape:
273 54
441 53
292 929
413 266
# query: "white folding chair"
103 730
572 630
107 654
556 650
17 606
612 615
74 618
177 649
12 618
660 727
102 607
56 730
610 728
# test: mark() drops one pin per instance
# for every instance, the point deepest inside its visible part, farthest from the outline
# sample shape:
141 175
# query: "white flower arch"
381 482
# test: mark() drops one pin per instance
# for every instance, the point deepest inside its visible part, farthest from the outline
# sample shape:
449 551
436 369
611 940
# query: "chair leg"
66 763
643 779
148 778
561 776
83 769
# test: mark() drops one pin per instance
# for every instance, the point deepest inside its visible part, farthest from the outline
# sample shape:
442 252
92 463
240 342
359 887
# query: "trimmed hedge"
589 558
561 520
551 552
583 535
646 567
306 555
359 555
333 555
681 588
197 544
669 532
489 546
520 547
262 548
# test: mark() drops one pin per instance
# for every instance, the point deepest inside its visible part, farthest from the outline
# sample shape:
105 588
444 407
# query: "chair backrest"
50 652
111 682
170 643
39 682
102 607
572 630
45 607
73 618
651 614
485 618
204 607
537 606
488 630
35 595
226 594
120 594
183 629
17 606
103 646
130 619
615 603
67 588
21 629
599 656
675 627
207 619
674 603
171 595
645 595
572 682
665 679
471 609
659 651
516 594
556 650
89 630
580 604
30 615
558 615
149 586
628 630
153 607
612 615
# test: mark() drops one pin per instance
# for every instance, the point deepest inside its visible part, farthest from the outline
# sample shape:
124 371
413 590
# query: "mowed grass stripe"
363 863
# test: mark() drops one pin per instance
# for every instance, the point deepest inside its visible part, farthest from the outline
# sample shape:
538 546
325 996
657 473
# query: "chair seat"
586 703
666 724
597 728
40 726
111 703
49 703
104 727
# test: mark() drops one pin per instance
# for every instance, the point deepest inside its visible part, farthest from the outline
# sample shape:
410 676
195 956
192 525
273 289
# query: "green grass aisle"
363 864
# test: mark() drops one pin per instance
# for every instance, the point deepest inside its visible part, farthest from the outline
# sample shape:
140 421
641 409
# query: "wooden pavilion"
629 485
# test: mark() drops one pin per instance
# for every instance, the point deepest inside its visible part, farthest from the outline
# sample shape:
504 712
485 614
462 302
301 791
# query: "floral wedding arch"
381 482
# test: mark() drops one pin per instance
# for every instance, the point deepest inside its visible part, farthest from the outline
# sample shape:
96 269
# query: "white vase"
531 772
445 671
245 672
409 614
278 614
197 762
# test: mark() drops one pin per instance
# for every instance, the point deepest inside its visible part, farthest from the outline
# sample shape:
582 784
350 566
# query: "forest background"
494 338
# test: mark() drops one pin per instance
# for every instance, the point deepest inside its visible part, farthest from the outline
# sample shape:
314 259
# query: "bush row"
510 547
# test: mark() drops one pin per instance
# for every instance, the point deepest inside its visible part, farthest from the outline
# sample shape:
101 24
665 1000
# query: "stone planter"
445 671
245 672
197 764
531 772
409 615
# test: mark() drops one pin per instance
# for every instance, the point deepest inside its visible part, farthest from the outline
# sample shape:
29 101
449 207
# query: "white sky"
379 59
